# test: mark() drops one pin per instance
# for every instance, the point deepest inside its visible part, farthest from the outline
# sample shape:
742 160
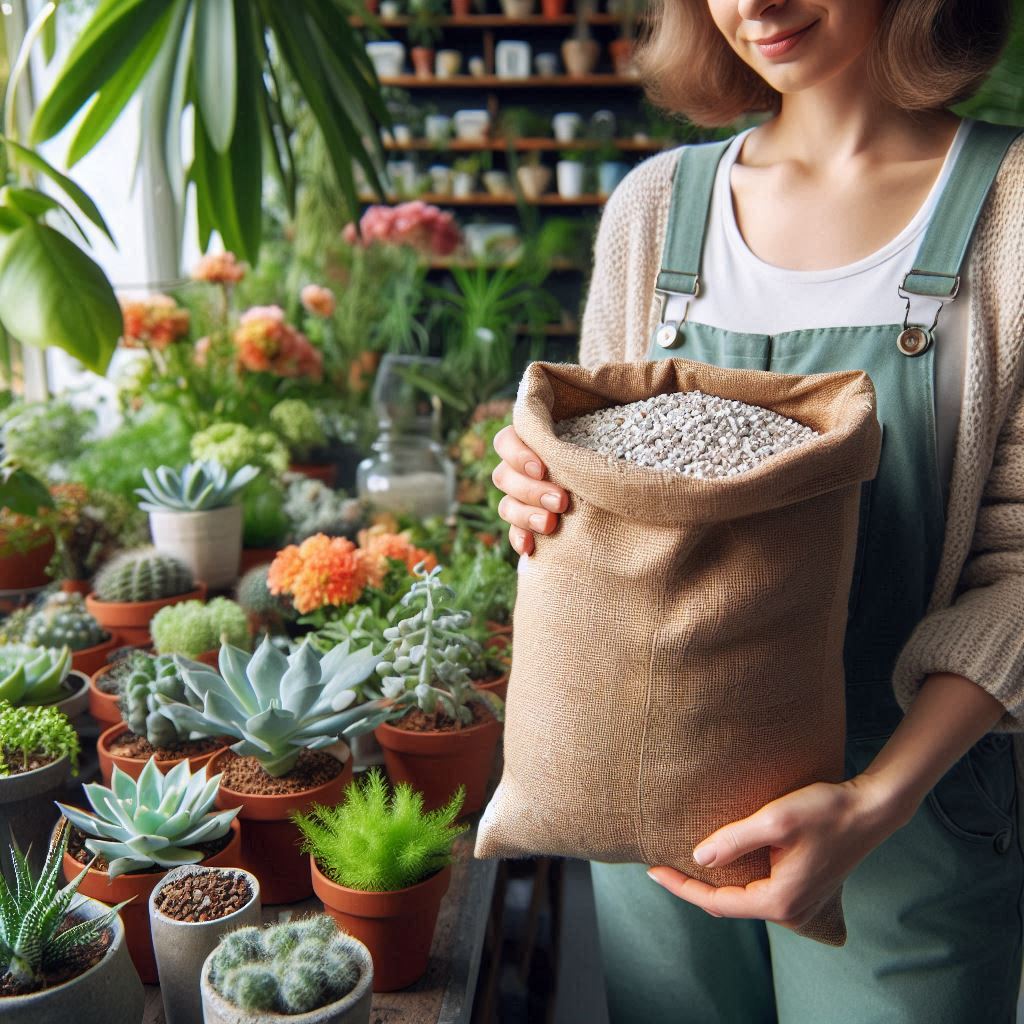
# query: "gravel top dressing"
195 899
688 432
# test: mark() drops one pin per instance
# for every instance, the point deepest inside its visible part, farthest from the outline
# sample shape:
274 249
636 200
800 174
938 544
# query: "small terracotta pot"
437 763
76 586
315 471
396 927
92 659
100 886
423 61
621 51
500 635
580 56
498 686
22 570
103 706
461 8
270 842
211 658
130 619
251 557
553 8
133 765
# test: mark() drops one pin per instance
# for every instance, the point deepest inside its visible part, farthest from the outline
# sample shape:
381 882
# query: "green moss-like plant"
30 732
379 843
194 627
297 425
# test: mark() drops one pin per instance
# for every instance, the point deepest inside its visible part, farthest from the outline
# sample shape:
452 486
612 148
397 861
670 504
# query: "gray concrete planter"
182 946
77 699
28 813
108 993
353 1009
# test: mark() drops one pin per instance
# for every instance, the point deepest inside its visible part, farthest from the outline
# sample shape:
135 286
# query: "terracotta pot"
397 927
103 706
500 635
76 586
270 842
130 619
461 8
423 61
251 557
315 471
133 765
553 8
498 686
92 659
437 763
23 570
100 886
621 51
580 56
211 658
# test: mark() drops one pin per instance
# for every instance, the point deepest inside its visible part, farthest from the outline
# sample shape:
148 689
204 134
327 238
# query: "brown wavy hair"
926 55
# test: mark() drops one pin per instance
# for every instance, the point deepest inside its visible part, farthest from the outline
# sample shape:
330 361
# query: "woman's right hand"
531 503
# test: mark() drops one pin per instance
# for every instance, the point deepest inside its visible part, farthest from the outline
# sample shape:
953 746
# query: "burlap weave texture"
678 643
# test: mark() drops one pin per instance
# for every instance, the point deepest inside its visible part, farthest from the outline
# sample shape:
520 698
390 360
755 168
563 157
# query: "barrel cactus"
155 822
62 621
33 675
150 679
289 968
142 575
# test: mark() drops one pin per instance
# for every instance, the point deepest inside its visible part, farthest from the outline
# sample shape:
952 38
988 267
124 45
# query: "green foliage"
192 628
235 445
198 487
1001 98
45 437
142 575
92 526
425 22
63 621
27 732
276 706
484 580
21 493
298 426
289 968
151 823
36 938
266 523
361 627
148 679
379 843
313 507
33 675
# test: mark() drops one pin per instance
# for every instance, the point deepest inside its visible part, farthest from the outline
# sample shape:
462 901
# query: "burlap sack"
678 642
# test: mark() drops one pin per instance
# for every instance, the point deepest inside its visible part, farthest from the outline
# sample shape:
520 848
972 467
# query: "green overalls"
934 913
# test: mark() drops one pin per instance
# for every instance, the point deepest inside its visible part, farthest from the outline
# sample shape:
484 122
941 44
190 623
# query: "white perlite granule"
689 432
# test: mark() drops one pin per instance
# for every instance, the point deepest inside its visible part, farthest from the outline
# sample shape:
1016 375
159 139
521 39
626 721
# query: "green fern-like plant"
33 731
380 843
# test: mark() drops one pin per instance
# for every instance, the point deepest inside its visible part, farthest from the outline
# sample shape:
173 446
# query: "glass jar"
407 475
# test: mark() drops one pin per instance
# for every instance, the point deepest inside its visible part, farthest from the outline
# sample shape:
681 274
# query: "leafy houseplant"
302 967
194 629
140 829
62 620
27 523
46 933
424 31
374 854
192 517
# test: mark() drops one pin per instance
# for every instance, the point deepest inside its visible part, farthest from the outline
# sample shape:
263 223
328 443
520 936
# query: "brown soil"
76 847
246 774
417 721
78 961
12 760
203 897
129 744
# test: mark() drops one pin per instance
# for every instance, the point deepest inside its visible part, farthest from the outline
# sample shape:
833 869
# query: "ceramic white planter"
609 174
570 178
472 125
497 183
517 8
28 815
437 127
566 126
463 184
440 180
447 63
390 8
534 181
209 543
402 134
477 67
387 57
182 947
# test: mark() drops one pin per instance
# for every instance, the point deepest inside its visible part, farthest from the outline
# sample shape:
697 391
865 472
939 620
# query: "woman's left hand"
816 837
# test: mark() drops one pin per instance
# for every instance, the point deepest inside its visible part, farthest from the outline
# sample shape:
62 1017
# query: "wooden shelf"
525 145
598 81
471 262
484 199
499 21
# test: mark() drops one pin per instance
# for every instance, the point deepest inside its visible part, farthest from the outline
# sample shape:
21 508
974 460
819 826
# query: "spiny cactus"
287 968
62 621
192 628
33 675
149 680
142 575
198 487
253 594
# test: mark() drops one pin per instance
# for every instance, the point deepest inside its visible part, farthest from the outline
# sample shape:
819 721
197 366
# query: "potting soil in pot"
128 744
246 774
75 962
78 850
203 897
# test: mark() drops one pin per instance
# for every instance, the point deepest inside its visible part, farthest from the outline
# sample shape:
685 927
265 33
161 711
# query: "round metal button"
1001 841
668 335
912 341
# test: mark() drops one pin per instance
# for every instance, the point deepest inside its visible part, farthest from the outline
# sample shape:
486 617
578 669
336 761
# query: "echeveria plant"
198 487
33 675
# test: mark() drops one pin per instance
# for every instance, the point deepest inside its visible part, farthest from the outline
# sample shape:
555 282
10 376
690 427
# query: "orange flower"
157 321
378 548
267 343
322 571
219 268
317 300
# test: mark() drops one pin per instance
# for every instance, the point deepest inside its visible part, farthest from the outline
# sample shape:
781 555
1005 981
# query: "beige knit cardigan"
975 621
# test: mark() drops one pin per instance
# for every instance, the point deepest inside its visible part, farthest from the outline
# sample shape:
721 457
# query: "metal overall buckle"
914 339
669 333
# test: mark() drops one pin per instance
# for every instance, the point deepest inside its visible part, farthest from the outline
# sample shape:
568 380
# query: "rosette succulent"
33 675
198 487
277 706
155 822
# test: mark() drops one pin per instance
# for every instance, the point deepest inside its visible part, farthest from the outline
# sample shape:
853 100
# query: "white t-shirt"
735 284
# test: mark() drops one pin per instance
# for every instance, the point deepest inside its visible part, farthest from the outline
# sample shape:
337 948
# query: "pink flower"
416 224
267 343
219 268
317 300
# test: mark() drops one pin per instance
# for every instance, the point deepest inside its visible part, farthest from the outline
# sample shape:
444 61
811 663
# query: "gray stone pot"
353 1009
108 993
181 947
77 700
28 813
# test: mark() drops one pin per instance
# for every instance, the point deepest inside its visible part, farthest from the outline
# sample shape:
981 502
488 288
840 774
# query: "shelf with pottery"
472 262
508 199
592 81
524 145
498 21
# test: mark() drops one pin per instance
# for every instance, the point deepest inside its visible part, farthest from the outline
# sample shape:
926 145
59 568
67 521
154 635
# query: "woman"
862 226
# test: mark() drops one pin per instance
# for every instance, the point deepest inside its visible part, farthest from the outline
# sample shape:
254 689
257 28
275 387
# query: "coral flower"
317 300
320 572
219 268
157 322
419 225
378 549
266 343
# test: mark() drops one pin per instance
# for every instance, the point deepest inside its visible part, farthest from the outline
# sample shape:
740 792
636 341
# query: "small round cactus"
142 575
253 594
289 968
62 621
149 679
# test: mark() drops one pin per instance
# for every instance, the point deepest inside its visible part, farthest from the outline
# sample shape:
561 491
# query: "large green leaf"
21 492
217 56
52 293
35 205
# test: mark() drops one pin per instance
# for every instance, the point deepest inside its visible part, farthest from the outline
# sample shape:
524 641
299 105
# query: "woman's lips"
785 44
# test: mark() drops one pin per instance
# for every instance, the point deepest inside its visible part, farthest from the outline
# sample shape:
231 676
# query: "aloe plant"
277 706
154 822
197 487
33 675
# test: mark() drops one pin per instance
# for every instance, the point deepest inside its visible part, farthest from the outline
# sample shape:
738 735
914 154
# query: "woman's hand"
816 837
531 504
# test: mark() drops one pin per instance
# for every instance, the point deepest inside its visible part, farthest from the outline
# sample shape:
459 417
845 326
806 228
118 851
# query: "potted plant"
133 586
285 712
424 30
193 517
621 48
438 731
611 169
517 9
380 865
266 612
571 173
297 425
190 911
105 687
145 732
304 970
63 957
196 629
464 175
137 831
62 620
43 676
27 521
533 175
38 751
581 50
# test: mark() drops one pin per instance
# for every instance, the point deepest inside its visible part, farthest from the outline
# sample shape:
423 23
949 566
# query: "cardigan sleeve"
981 634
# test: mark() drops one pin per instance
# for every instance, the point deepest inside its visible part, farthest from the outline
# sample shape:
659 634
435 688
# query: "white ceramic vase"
209 543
